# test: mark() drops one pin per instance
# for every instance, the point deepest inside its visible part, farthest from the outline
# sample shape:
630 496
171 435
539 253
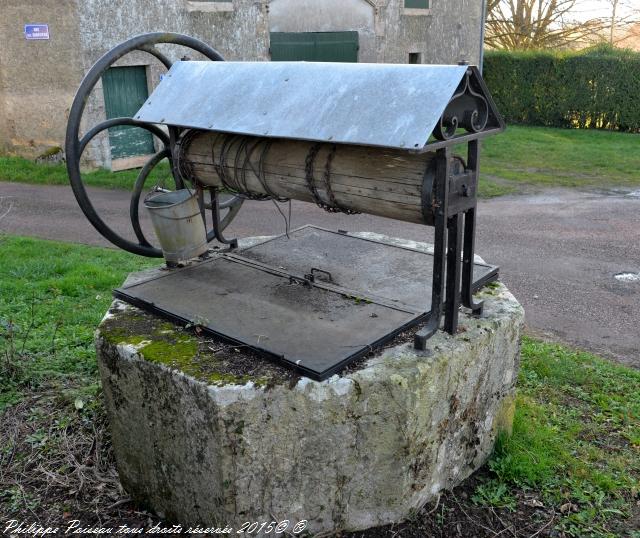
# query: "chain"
236 182
333 206
308 168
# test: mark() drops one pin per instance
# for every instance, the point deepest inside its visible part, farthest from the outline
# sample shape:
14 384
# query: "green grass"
52 296
561 157
25 171
521 157
493 187
576 435
576 439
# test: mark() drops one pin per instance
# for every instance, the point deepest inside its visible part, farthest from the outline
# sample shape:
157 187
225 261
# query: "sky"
591 9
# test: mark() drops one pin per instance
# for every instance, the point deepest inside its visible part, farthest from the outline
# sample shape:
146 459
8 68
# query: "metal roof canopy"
318 326
387 105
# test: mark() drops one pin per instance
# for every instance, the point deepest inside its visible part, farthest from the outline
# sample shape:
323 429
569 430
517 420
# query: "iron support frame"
473 163
454 205
217 222
441 201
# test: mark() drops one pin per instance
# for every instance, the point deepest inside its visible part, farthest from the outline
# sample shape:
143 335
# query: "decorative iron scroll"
467 109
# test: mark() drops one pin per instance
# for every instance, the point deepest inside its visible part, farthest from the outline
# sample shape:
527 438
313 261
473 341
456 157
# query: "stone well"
205 433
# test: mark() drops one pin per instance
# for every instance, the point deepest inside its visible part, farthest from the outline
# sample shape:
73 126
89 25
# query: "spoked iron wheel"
75 145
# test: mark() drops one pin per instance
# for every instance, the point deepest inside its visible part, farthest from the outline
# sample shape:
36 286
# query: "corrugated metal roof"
388 105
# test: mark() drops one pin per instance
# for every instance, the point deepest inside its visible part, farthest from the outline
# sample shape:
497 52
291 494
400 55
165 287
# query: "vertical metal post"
200 193
473 163
174 136
454 249
443 157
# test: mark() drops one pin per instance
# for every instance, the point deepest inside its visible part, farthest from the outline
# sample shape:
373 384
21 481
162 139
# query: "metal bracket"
311 277
453 210
215 216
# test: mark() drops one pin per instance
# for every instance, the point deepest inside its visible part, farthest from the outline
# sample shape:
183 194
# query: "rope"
237 182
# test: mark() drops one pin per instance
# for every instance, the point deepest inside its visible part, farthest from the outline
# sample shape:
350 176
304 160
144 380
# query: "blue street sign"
36 31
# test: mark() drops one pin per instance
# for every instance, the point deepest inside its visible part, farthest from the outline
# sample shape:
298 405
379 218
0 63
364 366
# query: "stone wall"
38 79
446 33
450 32
239 34
329 16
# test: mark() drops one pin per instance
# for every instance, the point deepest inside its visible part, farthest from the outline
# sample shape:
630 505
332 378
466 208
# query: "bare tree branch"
544 24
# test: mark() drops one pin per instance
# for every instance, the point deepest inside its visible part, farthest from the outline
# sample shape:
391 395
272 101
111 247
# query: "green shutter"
125 91
417 4
314 46
286 47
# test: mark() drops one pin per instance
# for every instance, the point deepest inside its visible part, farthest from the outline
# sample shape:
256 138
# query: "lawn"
521 157
572 465
25 171
548 157
52 296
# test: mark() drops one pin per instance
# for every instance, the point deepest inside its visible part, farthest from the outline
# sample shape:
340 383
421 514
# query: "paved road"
559 251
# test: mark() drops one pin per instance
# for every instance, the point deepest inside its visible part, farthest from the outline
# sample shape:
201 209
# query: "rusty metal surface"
388 105
375 290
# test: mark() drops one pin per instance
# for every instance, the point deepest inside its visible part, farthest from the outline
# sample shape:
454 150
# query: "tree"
614 9
623 20
536 24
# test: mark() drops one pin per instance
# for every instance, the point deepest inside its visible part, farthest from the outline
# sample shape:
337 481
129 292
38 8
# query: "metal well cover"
374 291
388 105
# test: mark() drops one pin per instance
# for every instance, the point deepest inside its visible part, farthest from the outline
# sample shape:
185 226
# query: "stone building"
40 72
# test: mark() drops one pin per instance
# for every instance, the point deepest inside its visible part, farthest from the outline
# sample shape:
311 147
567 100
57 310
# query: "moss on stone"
122 336
118 328
491 289
172 347
177 352
50 152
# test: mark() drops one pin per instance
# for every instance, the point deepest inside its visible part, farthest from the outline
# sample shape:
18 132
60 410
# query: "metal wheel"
75 146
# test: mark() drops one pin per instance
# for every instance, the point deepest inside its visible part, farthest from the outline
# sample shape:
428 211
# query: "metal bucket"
178 224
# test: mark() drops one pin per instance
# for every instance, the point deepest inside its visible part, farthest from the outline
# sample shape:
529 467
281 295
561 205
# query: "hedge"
596 89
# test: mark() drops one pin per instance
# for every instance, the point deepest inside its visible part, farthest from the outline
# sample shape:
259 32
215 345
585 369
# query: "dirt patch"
57 466
454 514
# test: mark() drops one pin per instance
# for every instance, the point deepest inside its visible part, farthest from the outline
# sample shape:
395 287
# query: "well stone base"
205 434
